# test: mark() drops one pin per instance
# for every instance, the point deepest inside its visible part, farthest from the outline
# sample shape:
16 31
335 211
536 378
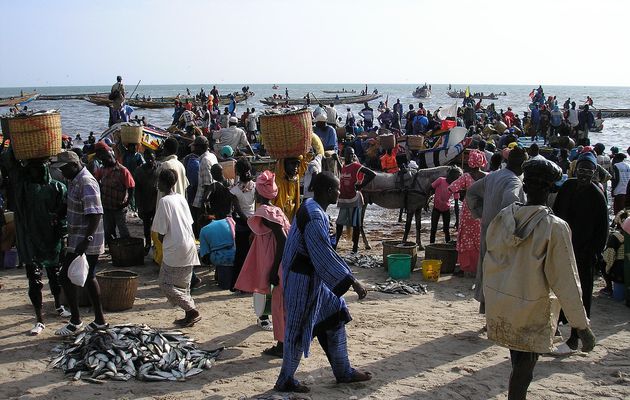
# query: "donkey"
411 193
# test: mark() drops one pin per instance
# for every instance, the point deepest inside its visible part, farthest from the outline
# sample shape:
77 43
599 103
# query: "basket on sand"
287 135
34 136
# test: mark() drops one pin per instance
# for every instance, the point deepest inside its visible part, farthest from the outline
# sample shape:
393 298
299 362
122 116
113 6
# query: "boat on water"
152 136
339 91
460 94
311 99
612 112
165 102
422 92
275 87
18 100
80 96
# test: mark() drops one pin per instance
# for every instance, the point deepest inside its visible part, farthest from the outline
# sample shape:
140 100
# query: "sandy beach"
418 347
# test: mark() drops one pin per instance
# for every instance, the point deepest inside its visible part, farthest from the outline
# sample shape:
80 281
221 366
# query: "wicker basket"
229 169
35 136
131 134
415 142
118 289
387 141
287 135
127 252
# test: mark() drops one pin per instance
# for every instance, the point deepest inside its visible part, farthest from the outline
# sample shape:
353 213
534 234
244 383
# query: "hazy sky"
89 42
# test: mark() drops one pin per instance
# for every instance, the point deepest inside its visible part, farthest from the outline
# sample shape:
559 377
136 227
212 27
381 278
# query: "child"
262 266
442 203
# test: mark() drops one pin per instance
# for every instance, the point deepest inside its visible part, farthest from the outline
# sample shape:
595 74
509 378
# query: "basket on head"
131 134
34 136
287 135
415 142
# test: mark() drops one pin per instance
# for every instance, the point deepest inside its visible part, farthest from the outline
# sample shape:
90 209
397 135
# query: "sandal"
63 313
296 387
265 324
274 351
357 376
37 329
93 326
70 329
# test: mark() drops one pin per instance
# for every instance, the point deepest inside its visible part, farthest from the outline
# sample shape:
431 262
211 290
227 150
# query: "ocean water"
81 117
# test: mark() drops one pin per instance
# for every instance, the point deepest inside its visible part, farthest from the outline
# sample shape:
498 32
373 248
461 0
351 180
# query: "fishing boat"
166 102
311 99
275 87
68 96
450 145
18 100
612 112
460 94
422 92
152 136
339 91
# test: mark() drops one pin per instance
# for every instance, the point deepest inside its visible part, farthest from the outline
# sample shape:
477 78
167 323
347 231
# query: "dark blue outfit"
328 136
314 278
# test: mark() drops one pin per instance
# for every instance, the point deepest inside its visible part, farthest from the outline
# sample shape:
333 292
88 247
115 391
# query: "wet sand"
418 347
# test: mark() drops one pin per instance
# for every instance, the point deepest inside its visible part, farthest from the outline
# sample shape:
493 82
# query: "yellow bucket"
431 270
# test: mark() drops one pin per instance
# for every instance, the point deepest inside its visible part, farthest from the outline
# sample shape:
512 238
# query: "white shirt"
171 162
332 115
232 136
252 120
246 200
174 221
573 117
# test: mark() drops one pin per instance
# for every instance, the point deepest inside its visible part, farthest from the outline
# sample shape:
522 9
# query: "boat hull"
324 100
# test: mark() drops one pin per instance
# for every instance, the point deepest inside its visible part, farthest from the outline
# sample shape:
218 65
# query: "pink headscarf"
476 159
266 185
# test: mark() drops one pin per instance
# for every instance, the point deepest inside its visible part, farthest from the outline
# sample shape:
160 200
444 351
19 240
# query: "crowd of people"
533 221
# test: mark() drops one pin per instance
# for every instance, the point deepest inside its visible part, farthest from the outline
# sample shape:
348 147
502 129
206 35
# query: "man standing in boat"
117 94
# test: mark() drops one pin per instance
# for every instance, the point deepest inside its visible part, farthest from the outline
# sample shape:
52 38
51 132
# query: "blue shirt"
217 240
328 136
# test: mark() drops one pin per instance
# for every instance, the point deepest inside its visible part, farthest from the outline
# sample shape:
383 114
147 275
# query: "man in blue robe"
315 279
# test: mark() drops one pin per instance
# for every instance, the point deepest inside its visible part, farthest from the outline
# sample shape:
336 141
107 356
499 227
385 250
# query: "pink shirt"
441 200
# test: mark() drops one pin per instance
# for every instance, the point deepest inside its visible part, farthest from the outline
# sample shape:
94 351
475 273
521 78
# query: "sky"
77 43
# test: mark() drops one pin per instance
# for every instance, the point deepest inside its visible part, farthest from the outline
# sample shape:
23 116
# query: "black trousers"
586 264
35 285
523 364
446 221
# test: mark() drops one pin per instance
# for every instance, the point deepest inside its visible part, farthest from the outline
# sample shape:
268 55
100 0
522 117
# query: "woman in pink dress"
262 267
469 233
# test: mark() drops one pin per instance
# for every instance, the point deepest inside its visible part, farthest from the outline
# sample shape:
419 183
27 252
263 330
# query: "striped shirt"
84 198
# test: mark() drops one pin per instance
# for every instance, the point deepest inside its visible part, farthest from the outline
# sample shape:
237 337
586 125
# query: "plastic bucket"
399 266
11 258
431 270
619 291
398 247
445 252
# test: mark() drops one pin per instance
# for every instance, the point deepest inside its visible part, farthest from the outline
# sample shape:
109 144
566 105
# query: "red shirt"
114 183
441 200
348 179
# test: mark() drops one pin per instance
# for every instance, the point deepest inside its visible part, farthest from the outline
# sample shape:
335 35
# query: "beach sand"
418 347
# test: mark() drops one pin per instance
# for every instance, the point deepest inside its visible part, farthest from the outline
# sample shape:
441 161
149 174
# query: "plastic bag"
78 270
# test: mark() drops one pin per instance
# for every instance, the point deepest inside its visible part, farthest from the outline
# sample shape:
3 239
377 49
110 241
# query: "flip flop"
70 329
93 326
265 325
37 329
63 313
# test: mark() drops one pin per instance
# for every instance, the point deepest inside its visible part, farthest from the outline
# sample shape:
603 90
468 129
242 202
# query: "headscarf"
227 151
266 185
476 159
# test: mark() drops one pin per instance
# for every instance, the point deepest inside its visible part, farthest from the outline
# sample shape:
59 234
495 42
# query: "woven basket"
131 134
287 135
118 289
36 136
229 169
387 141
415 142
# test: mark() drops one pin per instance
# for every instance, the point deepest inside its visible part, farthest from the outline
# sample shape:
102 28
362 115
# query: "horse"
409 190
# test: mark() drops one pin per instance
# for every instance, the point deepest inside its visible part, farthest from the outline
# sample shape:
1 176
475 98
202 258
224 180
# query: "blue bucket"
11 258
619 291
399 266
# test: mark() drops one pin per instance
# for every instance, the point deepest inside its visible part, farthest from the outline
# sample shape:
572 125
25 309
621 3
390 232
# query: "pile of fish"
400 287
125 351
363 261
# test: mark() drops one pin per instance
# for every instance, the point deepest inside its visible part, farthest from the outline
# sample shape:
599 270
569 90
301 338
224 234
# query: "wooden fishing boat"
451 144
17 100
68 96
270 101
422 92
339 91
458 94
612 112
165 102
